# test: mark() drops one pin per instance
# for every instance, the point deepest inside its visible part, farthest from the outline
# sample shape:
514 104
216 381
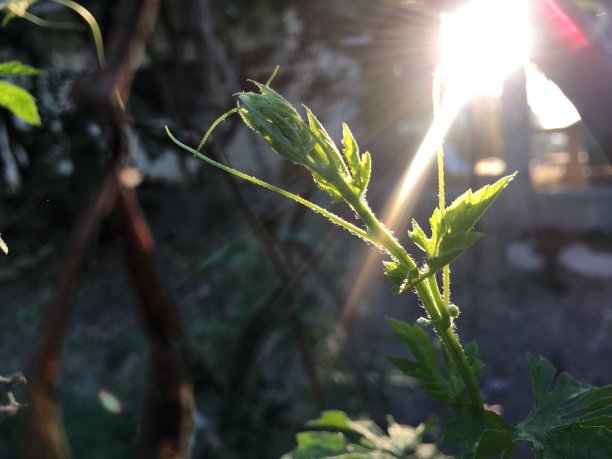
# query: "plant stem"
330 216
437 99
427 290
444 329
450 340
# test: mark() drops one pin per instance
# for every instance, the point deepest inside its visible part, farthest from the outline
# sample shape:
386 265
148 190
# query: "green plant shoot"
345 177
561 421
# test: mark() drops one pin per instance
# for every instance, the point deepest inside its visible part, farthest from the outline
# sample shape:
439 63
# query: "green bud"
453 311
269 114
304 142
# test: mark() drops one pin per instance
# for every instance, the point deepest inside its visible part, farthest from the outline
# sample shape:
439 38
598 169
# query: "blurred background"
274 314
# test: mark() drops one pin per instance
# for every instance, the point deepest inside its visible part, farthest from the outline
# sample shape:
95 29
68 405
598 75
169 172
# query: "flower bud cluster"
309 145
269 114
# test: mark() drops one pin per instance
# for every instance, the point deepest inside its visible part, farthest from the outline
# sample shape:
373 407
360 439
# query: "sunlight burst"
482 43
479 46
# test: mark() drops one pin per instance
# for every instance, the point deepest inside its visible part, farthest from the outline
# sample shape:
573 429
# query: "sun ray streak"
399 207
480 44
432 140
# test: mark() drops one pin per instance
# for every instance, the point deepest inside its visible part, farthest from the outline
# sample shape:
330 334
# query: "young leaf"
366 171
351 151
425 368
420 239
401 441
401 278
471 353
325 148
339 420
20 102
454 246
451 231
318 445
471 422
17 68
467 209
325 184
3 246
360 167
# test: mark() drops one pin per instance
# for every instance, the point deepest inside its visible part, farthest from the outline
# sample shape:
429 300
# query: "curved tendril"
91 22
213 126
272 76
329 215
51 24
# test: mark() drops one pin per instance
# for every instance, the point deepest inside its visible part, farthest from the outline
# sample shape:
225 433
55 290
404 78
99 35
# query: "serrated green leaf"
327 187
3 246
471 353
578 442
20 102
564 412
17 68
435 224
360 167
339 421
314 445
365 172
418 236
493 443
458 242
592 401
401 277
568 420
400 441
426 367
454 246
429 382
319 131
324 147
471 422
467 209
332 419
351 151
451 231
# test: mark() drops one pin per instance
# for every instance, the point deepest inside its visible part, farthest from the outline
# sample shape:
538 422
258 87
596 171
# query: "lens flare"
479 45
482 43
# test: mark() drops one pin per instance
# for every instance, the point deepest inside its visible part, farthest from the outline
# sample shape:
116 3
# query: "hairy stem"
429 293
330 216
437 98
450 340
